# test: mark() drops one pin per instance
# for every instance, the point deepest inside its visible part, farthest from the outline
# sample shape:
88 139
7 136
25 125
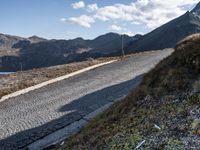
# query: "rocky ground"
170 123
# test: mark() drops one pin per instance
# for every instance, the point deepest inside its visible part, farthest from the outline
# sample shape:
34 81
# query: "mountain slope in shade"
109 43
104 44
170 33
37 52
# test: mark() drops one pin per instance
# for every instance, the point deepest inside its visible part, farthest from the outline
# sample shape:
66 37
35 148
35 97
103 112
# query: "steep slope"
169 34
196 10
162 113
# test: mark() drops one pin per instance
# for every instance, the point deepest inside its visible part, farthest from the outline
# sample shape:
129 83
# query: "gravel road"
27 118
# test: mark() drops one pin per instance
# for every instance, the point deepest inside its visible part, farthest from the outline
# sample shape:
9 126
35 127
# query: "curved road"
26 118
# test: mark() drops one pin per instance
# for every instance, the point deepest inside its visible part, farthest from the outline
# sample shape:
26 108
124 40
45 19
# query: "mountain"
36 39
52 52
35 52
8 41
170 33
109 43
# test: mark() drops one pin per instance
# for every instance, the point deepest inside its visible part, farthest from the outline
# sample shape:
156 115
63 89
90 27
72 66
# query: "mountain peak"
36 39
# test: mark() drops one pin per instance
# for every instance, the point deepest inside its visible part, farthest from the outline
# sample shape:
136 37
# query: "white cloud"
151 13
83 20
120 30
116 28
136 23
78 5
92 7
63 19
129 33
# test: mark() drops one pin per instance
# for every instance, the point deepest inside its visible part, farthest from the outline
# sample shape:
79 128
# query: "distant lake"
6 73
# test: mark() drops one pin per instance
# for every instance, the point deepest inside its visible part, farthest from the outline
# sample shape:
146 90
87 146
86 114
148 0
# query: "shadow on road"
80 107
93 101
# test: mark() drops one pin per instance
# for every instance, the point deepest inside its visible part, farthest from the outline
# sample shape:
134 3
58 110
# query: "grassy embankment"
163 110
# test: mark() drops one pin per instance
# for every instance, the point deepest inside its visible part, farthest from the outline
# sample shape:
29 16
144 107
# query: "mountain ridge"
7 41
35 52
167 35
196 10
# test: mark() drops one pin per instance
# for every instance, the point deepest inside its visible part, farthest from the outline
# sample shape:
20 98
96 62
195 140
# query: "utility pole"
122 45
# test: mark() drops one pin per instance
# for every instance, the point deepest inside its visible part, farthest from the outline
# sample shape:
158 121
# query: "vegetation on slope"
163 111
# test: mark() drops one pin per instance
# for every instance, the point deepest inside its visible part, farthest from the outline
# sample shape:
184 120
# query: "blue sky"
67 19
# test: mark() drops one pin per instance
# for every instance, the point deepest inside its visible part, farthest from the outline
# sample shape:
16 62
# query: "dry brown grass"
21 80
9 52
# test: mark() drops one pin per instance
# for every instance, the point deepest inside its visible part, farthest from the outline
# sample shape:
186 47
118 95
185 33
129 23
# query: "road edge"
64 133
40 85
59 136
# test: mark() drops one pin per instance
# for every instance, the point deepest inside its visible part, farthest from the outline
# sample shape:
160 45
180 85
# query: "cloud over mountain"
83 20
150 13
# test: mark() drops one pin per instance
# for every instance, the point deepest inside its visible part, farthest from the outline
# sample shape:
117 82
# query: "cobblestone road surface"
26 118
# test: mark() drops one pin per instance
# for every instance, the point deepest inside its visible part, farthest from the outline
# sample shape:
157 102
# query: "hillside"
162 113
170 33
8 41
36 52
110 42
